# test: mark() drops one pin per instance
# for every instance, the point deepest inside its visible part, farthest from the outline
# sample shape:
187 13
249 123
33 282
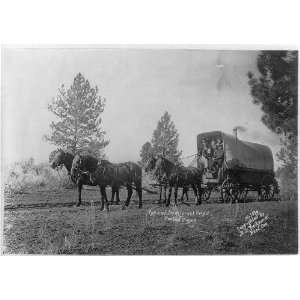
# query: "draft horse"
178 176
105 173
162 180
65 158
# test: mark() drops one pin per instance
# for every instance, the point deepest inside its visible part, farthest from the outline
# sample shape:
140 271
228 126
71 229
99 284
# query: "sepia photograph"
149 150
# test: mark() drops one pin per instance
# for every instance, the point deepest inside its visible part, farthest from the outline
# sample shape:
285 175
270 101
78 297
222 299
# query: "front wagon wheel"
229 191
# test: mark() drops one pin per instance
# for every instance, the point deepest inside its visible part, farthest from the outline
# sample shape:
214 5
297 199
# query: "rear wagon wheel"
229 191
268 188
242 194
206 194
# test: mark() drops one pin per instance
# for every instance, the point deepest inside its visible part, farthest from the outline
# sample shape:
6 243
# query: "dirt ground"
47 222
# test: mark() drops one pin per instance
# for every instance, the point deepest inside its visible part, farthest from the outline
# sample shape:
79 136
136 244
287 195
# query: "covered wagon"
235 167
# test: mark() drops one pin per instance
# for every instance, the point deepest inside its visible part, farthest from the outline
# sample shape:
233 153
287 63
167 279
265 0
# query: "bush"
288 186
289 190
26 176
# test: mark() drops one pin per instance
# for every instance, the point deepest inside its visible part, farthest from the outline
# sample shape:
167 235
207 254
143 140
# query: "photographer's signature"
255 222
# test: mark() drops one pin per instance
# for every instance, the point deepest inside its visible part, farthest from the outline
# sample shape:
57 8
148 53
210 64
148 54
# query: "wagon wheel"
206 194
266 193
229 191
267 188
242 194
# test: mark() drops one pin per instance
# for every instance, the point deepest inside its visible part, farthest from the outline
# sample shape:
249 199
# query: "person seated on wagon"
201 159
202 155
213 145
208 153
218 156
219 144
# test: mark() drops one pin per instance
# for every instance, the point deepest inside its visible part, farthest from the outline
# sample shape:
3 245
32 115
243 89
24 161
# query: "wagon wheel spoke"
268 188
206 194
242 194
229 191
224 194
268 192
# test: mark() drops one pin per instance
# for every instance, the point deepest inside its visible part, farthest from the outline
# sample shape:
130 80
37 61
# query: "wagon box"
244 165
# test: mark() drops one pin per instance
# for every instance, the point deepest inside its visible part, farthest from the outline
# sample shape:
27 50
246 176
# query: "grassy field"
46 222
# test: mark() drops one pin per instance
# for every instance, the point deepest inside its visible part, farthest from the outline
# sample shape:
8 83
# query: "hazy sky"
202 90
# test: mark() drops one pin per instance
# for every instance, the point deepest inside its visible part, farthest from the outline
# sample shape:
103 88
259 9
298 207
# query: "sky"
203 90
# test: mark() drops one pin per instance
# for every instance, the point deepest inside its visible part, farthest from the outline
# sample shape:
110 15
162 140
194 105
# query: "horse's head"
58 159
151 163
163 166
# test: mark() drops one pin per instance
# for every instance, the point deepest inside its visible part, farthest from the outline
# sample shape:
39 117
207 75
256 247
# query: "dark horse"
105 173
162 180
65 158
178 176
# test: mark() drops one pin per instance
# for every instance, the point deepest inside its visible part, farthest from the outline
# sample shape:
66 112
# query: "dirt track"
48 223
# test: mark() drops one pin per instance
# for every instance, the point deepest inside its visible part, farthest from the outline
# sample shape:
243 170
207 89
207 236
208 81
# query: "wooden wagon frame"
245 167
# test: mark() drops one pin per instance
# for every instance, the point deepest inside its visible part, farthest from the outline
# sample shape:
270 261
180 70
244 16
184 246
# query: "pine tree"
165 139
78 118
276 91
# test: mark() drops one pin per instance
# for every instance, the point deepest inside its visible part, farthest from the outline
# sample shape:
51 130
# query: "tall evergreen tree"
78 118
165 139
275 89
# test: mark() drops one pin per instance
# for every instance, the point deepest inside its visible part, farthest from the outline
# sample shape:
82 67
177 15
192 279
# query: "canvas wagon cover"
242 154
